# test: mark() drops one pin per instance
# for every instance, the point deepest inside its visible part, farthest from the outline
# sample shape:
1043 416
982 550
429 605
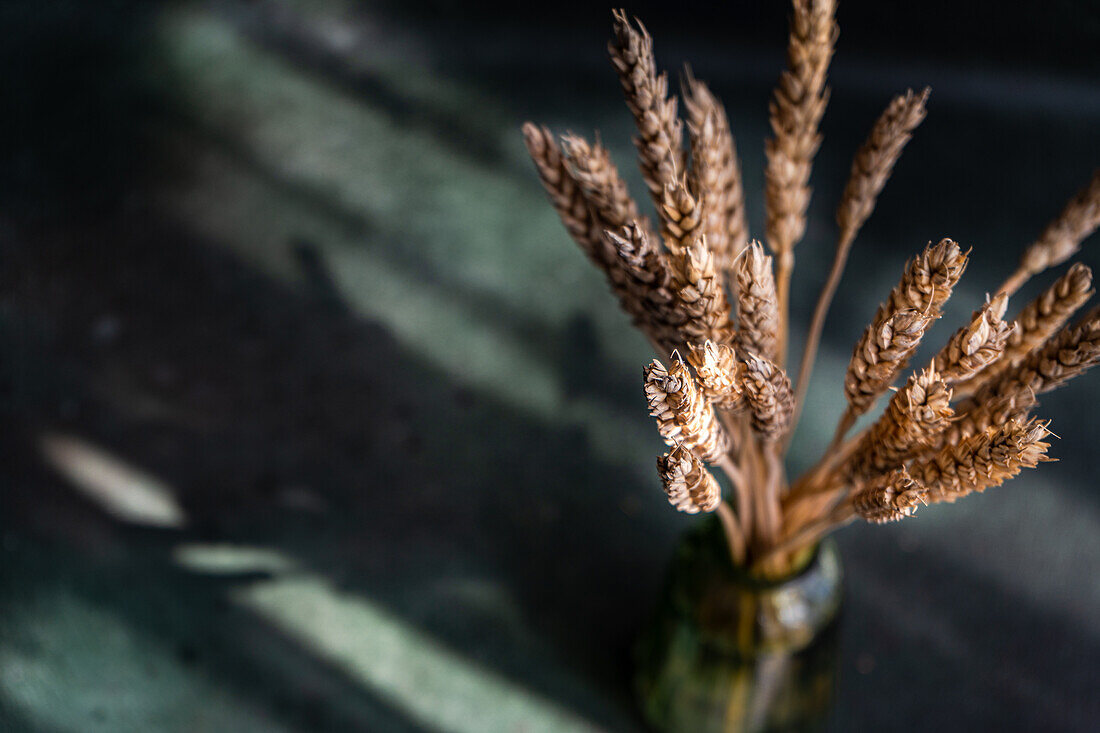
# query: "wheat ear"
564 192
1039 320
716 171
757 303
871 168
684 416
719 373
682 219
660 132
1013 393
1069 353
889 498
984 460
700 295
768 394
914 417
602 186
689 485
795 114
650 297
890 340
881 354
1062 238
977 345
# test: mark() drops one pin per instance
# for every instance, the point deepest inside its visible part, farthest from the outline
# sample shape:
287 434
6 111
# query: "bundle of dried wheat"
714 306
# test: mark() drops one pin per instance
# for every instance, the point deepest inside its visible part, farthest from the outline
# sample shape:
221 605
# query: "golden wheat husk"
757 303
682 218
690 487
601 185
660 132
700 295
874 162
719 373
1013 393
977 345
914 418
982 461
564 192
889 341
768 395
1045 315
684 416
716 171
881 354
652 302
1062 237
1067 354
889 498
1039 320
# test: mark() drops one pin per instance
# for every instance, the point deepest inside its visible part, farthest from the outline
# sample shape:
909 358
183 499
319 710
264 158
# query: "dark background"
314 419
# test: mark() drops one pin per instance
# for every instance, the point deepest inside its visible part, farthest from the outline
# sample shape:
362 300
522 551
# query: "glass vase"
730 651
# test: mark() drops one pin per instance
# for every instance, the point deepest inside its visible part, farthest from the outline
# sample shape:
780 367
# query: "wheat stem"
735 538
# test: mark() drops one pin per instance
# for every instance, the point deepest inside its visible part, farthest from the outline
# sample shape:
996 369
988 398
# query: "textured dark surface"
289 262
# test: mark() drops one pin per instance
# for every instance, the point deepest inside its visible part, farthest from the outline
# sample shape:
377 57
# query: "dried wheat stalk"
1012 394
973 418
1069 353
1062 238
716 172
689 485
684 416
589 196
731 403
871 168
660 132
652 303
601 185
795 114
874 162
881 354
1049 312
893 336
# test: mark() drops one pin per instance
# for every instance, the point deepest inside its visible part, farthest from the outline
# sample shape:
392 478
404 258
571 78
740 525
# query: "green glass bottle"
728 651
